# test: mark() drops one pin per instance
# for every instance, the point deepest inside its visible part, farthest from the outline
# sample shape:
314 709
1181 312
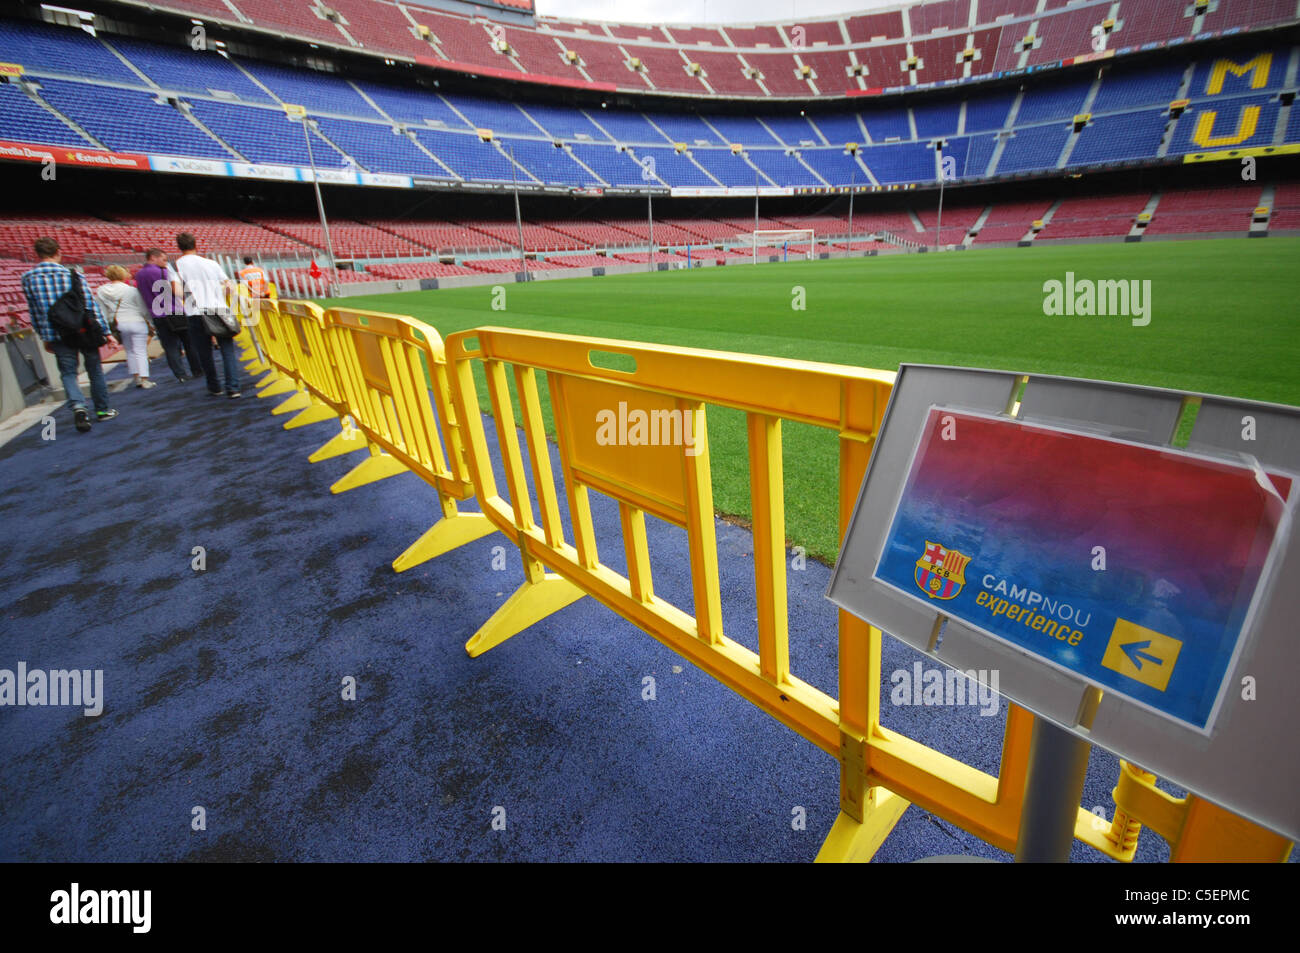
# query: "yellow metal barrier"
275 356
670 479
387 366
881 770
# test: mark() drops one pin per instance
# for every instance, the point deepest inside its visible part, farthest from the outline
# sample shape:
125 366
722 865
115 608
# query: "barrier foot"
345 441
282 386
854 841
375 467
298 401
256 366
531 602
269 379
314 414
444 536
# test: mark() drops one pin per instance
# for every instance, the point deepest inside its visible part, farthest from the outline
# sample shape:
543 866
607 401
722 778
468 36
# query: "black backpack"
74 320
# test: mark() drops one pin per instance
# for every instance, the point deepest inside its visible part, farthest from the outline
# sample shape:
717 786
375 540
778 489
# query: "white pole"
938 223
320 202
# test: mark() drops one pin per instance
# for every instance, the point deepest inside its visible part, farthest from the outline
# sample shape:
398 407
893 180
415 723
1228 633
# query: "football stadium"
516 435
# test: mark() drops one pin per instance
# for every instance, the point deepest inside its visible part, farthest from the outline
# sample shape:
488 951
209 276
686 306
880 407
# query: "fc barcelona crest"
941 572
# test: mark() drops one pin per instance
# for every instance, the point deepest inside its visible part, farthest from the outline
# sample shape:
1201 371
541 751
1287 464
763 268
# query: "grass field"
1223 320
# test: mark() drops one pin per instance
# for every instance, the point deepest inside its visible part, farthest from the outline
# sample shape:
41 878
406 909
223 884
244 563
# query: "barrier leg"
299 401
347 440
453 530
283 385
377 466
314 414
856 841
541 595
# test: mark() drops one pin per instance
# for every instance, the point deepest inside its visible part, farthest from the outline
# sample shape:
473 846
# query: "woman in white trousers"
125 310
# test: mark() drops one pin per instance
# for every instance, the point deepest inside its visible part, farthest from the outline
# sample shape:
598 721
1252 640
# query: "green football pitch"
1223 320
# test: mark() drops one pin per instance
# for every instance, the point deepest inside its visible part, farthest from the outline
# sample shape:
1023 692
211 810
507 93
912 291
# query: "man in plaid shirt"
44 285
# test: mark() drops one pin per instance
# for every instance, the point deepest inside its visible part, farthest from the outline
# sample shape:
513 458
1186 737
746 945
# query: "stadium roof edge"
658 95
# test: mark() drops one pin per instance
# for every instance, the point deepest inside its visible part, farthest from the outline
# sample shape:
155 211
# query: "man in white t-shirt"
206 287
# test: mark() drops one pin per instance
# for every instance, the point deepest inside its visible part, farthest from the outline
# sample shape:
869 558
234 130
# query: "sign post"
1125 588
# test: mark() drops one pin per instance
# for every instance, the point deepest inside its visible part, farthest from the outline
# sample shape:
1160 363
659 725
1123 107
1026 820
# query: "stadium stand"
1226 209
1095 216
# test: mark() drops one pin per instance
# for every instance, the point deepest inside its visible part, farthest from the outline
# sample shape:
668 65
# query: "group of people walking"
185 303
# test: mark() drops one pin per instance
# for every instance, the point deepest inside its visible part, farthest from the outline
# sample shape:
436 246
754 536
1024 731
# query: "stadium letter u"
1246 123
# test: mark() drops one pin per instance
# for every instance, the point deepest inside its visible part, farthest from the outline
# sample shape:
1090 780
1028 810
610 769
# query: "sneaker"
234 394
215 393
82 417
106 414
146 384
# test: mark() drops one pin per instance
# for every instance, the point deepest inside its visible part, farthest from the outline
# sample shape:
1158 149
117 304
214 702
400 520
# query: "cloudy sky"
704 11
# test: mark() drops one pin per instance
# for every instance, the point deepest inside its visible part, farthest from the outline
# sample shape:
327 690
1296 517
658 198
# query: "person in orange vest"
254 277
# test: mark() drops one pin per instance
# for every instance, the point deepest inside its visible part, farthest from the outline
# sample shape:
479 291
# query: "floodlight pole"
320 202
853 187
650 217
519 220
938 225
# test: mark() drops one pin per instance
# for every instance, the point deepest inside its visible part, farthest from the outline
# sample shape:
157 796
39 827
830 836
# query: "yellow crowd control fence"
404 394
384 377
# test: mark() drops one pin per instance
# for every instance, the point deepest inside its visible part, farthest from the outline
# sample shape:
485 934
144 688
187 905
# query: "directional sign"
1133 566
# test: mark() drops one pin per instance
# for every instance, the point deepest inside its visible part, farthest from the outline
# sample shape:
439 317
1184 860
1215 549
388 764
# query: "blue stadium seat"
1237 85
834 166
412 105
727 168
264 135
745 130
902 162
628 127
1048 101
185 70
499 116
1229 114
318 92
468 156
685 128
839 128
979 151
550 165
22 120
887 124
129 120
936 119
987 112
1118 137
60 51
1132 89
565 123
792 130
676 169
781 168
1038 147
615 167
378 148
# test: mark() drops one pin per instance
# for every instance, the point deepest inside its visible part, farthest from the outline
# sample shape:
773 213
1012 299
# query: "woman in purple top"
161 291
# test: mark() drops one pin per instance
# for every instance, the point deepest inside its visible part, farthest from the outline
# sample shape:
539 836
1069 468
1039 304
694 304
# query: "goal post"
790 242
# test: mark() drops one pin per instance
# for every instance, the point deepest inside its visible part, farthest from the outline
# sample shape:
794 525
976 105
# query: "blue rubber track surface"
223 688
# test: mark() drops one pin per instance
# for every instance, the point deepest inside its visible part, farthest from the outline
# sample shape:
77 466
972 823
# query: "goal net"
788 243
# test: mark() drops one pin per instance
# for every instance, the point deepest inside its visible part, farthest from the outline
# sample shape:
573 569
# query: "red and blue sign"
1138 568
